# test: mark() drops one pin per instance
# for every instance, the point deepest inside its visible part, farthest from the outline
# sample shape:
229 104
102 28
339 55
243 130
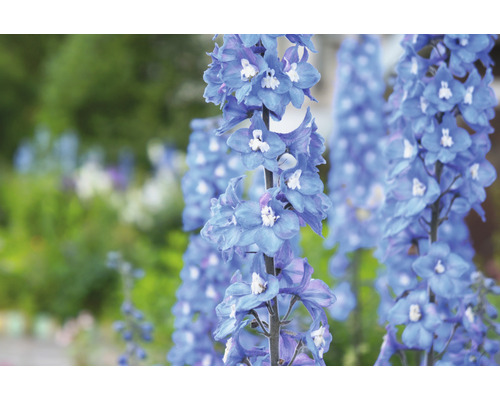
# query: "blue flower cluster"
133 328
249 80
438 172
209 171
205 275
356 177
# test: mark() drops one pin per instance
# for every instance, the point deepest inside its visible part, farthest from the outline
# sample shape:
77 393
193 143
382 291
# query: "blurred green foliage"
53 250
21 72
343 348
113 90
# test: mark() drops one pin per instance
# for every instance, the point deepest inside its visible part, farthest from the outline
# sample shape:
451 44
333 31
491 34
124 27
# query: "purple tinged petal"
287 226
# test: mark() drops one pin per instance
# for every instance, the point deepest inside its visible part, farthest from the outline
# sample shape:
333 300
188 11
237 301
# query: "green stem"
356 321
274 317
433 237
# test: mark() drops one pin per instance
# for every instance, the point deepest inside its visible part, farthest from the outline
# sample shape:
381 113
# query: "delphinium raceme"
133 328
205 275
251 83
433 297
356 176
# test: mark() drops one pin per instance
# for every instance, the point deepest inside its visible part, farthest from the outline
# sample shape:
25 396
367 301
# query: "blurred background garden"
93 138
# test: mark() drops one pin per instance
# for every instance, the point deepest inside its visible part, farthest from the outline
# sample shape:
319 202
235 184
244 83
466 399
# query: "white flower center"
206 361
474 171
319 339
408 149
210 292
202 187
213 145
469 314
292 74
256 143
189 337
439 268
418 188
213 259
258 284
268 217
414 66
248 71
294 181
270 81
194 273
200 159
464 42
468 95
423 104
446 139
404 280
415 313
233 311
220 171
444 91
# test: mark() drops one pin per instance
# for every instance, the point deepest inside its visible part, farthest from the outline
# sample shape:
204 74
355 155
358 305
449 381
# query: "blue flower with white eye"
478 100
242 70
273 85
442 269
413 190
418 109
257 145
248 296
412 67
445 141
466 49
317 340
299 184
419 316
480 173
267 223
444 91
302 74
235 353
402 151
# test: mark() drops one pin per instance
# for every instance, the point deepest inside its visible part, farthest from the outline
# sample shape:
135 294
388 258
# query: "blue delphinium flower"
356 175
134 330
250 81
433 183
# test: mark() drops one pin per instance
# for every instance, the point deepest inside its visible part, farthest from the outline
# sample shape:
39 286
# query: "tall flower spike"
262 296
205 274
133 329
355 180
433 184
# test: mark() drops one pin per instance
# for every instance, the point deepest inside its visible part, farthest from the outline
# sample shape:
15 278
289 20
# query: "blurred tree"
122 90
21 70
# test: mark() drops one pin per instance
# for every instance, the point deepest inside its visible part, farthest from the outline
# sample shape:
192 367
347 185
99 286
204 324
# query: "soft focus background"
93 134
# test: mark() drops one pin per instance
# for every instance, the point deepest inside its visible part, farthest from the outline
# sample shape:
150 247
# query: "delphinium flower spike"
133 328
356 175
251 82
438 173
